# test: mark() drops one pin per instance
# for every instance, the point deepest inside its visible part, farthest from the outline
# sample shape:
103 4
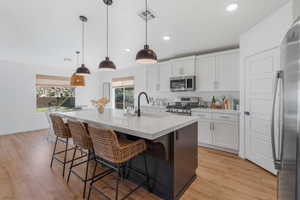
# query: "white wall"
18 95
139 72
264 36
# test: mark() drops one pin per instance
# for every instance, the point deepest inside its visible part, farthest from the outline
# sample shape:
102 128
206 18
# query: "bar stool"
82 141
62 132
115 153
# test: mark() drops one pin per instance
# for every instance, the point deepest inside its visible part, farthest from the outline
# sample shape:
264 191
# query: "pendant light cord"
77 57
107 30
146 22
83 31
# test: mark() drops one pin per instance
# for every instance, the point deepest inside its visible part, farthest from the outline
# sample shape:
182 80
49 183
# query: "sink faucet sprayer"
139 102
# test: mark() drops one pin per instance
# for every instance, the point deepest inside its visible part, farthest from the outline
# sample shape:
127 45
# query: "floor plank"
25 175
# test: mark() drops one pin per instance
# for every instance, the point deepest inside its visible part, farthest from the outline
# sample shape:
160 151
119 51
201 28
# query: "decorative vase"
101 108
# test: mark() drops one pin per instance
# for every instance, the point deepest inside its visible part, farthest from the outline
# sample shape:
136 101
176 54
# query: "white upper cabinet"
214 72
165 71
218 72
227 72
183 66
205 73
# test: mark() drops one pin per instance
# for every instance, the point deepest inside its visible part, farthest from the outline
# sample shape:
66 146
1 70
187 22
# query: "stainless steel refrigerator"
285 127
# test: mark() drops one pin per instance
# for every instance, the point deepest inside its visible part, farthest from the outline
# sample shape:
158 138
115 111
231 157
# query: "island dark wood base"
172 162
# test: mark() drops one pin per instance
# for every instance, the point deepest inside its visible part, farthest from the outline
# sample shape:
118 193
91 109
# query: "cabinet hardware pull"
247 113
224 117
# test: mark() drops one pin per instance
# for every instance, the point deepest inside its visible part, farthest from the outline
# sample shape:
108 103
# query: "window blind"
123 82
52 81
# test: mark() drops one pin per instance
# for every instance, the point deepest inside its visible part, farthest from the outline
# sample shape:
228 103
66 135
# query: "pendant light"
107 65
77 80
83 70
146 55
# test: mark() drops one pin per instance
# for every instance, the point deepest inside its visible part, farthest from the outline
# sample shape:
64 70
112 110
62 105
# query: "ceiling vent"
144 13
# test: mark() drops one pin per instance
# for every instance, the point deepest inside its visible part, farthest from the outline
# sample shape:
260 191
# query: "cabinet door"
204 132
153 78
177 68
227 71
189 67
183 67
185 160
225 134
205 73
164 76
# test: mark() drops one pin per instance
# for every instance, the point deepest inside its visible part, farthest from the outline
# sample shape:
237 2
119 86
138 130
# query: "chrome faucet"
139 102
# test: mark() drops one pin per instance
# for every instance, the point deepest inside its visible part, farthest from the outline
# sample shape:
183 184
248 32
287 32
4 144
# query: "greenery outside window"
54 93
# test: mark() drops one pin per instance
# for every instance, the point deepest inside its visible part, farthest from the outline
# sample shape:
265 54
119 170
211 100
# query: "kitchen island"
172 152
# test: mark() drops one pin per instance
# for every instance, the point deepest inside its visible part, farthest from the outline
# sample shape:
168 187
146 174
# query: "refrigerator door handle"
277 161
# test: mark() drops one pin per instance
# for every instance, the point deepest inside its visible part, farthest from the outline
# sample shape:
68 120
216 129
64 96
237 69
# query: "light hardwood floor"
25 175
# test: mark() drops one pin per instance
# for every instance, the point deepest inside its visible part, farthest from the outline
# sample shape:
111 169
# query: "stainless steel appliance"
183 83
183 105
285 130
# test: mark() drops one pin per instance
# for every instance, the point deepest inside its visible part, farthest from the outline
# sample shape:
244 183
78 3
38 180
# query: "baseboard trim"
218 148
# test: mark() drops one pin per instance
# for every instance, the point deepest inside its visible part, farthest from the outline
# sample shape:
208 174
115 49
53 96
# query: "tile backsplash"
163 98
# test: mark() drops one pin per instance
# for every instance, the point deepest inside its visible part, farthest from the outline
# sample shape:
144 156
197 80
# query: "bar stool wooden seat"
115 153
62 132
82 141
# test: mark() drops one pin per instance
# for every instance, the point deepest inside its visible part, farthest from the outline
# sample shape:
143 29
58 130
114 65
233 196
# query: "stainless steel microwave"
183 83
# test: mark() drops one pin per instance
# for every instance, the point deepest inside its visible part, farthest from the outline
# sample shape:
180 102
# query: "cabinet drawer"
225 117
202 115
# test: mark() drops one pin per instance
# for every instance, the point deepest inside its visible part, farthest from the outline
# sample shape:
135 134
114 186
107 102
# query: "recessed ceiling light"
167 38
127 50
232 7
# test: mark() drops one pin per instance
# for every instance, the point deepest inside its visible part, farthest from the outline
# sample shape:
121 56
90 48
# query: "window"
54 92
123 92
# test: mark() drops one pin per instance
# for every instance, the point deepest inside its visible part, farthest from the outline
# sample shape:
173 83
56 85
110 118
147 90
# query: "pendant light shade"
107 64
83 70
146 55
77 80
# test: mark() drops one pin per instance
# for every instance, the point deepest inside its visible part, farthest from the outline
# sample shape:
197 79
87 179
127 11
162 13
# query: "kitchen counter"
172 149
153 107
151 125
209 110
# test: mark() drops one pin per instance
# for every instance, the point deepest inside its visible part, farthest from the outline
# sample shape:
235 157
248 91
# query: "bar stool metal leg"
93 178
54 150
73 158
86 173
65 158
117 183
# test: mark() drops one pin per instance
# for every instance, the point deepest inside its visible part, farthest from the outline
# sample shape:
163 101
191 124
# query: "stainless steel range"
183 105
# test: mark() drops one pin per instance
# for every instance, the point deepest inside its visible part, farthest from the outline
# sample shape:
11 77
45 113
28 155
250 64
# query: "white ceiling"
45 32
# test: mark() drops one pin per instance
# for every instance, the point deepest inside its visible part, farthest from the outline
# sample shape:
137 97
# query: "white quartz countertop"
151 125
209 110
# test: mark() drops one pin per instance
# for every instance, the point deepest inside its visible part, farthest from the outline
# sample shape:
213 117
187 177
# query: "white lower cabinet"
204 135
226 135
219 131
